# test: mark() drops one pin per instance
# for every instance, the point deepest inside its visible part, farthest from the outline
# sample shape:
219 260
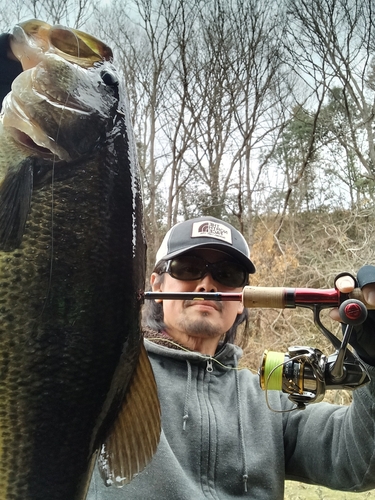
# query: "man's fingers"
369 294
345 284
334 314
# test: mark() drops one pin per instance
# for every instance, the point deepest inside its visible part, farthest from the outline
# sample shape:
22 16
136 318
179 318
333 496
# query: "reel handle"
282 298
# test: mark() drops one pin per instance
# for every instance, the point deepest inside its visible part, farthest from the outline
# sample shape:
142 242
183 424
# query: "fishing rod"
304 373
269 297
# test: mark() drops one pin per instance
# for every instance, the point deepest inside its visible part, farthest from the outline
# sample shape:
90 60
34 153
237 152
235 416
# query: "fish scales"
71 270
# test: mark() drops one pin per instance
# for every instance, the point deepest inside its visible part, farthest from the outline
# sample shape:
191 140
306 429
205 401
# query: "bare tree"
205 84
260 91
230 81
333 42
72 13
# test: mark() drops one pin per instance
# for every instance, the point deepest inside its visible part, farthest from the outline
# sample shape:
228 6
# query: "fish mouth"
32 39
59 99
27 142
28 133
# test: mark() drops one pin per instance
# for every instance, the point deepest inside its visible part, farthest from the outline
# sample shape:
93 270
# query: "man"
219 438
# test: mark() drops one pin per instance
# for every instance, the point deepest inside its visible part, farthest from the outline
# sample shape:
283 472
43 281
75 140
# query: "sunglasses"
190 267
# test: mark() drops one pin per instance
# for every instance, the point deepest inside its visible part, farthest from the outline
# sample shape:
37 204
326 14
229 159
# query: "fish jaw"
23 128
58 91
31 39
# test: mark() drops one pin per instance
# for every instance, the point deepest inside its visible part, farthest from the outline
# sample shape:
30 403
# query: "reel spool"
299 373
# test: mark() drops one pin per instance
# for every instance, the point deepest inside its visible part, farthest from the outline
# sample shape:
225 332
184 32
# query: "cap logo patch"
211 229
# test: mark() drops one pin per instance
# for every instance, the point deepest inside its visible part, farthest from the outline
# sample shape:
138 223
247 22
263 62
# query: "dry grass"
300 491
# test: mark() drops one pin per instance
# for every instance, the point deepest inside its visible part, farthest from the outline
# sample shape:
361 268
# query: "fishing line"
54 158
276 372
64 106
276 369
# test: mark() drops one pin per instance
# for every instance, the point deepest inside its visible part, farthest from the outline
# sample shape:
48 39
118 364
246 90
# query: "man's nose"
206 284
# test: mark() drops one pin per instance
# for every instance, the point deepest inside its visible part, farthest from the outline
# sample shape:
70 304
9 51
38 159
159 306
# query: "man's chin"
201 327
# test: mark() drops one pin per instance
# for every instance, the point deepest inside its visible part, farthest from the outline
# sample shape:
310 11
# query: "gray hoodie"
221 441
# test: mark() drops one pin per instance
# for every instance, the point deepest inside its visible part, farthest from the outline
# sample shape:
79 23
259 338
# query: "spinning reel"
306 373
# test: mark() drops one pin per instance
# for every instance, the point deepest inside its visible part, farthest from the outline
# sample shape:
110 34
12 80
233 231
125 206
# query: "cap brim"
245 261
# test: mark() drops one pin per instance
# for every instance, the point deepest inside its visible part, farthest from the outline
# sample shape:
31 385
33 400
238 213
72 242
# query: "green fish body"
72 263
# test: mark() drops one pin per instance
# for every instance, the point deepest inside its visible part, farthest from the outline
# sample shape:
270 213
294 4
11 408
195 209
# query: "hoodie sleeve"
334 445
9 69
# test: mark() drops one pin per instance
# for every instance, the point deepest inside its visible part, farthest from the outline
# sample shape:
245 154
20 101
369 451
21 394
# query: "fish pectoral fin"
135 434
15 199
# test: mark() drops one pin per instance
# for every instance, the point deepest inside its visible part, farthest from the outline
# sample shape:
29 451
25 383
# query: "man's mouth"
204 303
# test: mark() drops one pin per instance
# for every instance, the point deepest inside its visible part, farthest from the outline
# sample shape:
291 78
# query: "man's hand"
363 336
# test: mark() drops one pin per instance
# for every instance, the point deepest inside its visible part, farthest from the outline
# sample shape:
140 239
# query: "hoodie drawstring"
187 396
245 476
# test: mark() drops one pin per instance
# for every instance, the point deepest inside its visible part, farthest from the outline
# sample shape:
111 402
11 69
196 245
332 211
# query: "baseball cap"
205 232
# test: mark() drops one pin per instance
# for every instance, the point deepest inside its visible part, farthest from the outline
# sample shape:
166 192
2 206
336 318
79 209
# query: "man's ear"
240 308
156 285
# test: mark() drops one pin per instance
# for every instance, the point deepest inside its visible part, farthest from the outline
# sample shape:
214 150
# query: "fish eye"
109 78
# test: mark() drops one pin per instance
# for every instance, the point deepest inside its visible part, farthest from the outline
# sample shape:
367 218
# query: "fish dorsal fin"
15 198
135 434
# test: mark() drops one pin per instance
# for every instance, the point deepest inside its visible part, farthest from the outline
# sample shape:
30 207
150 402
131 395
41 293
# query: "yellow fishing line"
273 370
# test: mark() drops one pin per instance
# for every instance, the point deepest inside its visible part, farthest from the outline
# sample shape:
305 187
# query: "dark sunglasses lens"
229 274
187 268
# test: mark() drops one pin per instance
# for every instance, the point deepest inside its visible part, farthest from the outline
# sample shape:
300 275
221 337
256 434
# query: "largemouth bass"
74 376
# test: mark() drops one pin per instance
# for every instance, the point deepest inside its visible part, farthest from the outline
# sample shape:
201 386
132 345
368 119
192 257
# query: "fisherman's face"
198 318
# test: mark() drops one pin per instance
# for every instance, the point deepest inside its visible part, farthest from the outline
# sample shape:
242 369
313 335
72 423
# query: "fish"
76 385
